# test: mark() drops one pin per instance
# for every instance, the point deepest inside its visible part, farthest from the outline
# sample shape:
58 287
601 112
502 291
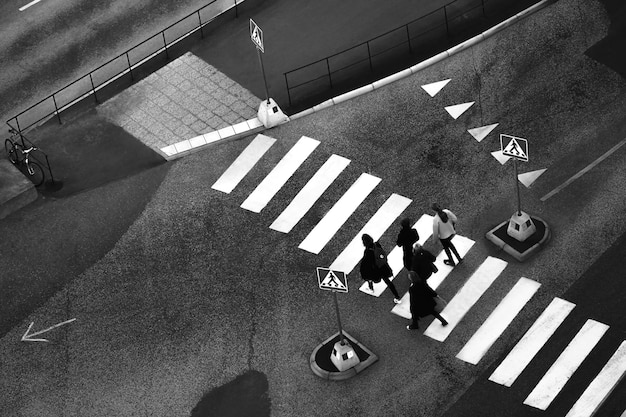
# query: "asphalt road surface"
195 300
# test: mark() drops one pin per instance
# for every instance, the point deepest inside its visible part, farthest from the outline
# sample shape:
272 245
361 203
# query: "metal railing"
121 65
396 49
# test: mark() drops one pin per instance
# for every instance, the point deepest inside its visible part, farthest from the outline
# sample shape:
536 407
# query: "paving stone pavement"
186 98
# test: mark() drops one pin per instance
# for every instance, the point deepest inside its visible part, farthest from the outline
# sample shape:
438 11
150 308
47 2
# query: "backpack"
380 256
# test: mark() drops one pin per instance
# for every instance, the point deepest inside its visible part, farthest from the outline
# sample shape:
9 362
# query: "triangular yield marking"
333 282
528 178
480 133
500 157
458 109
433 88
513 148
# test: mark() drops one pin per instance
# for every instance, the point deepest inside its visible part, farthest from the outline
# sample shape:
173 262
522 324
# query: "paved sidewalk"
186 98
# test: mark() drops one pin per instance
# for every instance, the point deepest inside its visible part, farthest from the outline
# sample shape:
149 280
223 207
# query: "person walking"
406 238
443 228
422 262
422 301
374 266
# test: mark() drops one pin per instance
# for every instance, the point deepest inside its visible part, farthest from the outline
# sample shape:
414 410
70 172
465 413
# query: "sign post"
521 225
343 355
516 148
269 113
256 34
334 281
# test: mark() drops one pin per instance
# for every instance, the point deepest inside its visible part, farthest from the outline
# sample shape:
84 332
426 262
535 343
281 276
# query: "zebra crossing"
460 305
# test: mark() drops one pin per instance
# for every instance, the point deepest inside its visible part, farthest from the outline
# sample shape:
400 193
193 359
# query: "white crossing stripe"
467 296
566 364
463 245
339 213
498 320
375 227
602 385
275 180
533 340
424 230
243 164
310 193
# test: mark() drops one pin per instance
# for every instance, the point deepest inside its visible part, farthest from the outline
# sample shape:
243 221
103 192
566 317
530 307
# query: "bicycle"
20 156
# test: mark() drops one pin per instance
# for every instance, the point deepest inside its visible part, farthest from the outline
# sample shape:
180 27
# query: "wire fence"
121 67
395 49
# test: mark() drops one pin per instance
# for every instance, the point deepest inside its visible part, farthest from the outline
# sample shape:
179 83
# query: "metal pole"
287 84
519 203
167 55
56 108
130 68
200 24
93 88
338 318
267 94
330 77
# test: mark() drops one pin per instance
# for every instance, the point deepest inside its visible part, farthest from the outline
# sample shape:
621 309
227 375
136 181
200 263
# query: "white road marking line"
584 170
424 227
275 180
339 213
243 164
602 385
462 244
467 296
498 320
26 6
533 340
310 193
566 364
375 227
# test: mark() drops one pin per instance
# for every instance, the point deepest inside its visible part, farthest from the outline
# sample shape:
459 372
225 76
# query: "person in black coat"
422 301
373 270
422 262
406 238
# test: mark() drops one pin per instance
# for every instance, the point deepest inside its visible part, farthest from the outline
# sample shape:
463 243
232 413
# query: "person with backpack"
422 262
443 229
374 266
406 238
422 301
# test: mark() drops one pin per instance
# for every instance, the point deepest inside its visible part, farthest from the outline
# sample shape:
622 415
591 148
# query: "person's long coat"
422 299
406 238
369 270
422 263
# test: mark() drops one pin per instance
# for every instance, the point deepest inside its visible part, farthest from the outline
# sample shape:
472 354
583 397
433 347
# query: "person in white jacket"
443 229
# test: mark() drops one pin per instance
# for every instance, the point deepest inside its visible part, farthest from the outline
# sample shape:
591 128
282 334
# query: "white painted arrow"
29 337
529 177
500 157
433 88
458 109
480 133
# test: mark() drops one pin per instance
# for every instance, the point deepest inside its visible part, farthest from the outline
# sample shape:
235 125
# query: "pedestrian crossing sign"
256 34
328 279
516 147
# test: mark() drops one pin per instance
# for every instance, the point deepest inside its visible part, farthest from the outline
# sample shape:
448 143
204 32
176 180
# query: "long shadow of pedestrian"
245 396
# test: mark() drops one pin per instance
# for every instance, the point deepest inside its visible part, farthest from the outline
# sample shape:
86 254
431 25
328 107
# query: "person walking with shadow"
422 301
374 266
406 238
443 229
422 262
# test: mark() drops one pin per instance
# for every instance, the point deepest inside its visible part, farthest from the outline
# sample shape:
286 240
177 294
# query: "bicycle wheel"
8 146
35 172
